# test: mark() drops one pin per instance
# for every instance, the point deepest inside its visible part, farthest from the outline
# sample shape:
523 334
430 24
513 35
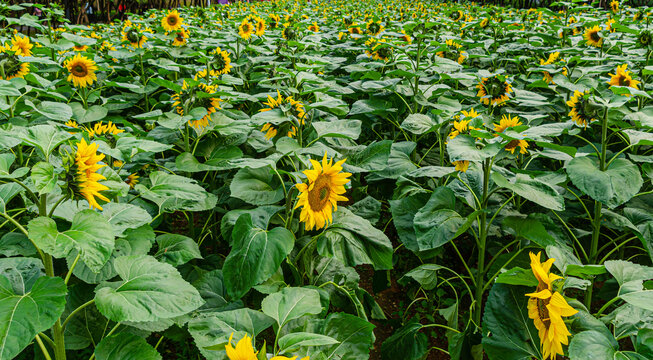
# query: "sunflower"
181 37
614 5
180 97
132 180
289 33
314 27
461 165
547 307
296 107
405 37
581 111
106 46
172 21
211 104
319 198
506 122
374 28
102 129
593 37
82 70
453 52
134 35
12 67
274 21
513 144
456 15
377 49
494 91
244 349
260 27
84 177
623 77
484 23
80 48
21 46
279 357
245 29
644 39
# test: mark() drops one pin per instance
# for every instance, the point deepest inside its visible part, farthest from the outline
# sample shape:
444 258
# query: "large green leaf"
613 187
354 241
148 291
125 346
256 186
44 137
592 345
90 234
123 216
256 254
174 192
464 147
44 177
7 192
531 189
292 341
354 334
176 249
406 343
6 160
291 303
24 316
508 333
22 272
437 223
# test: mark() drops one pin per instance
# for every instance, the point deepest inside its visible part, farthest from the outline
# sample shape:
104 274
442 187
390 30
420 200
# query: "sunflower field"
322 180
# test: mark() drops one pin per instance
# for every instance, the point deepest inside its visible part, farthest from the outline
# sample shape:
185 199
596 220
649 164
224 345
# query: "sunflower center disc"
319 196
79 70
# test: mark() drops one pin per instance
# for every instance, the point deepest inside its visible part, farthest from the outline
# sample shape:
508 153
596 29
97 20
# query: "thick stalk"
416 88
481 244
596 223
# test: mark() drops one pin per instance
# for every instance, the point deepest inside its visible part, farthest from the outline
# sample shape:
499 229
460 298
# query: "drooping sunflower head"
452 51
245 29
405 37
593 37
12 67
514 144
180 97
82 70
21 45
244 349
319 198
456 15
132 180
172 21
644 39
289 33
494 91
484 23
623 77
82 177
103 129
205 100
295 107
134 35
274 21
582 111
547 307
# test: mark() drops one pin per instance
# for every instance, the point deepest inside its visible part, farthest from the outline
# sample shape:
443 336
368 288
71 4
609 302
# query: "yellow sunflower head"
12 67
314 27
210 103
494 91
614 5
172 21
506 122
132 180
134 35
21 45
319 198
82 70
593 37
514 144
623 77
181 37
461 165
582 111
80 48
245 29
547 307
260 27
244 349
82 177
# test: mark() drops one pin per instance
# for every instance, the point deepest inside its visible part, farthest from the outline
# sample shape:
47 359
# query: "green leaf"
426 275
90 233
6 160
59 111
354 241
291 303
464 147
348 128
534 190
7 192
44 178
406 343
93 113
256 255
24 316
373 157
176 249
436 223
291 342
44 137
592 344
16 244
22 272
123 216
260 218
256 186
174 192
644 343
417 124
517 276
148 291
330 104
125 346
355 335
613 187
508 333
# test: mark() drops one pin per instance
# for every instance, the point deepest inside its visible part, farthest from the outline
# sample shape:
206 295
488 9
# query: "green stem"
42 346
480 270
80 308
72 267
604 307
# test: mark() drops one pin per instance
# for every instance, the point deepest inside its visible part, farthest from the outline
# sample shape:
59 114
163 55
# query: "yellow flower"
405 37
117 163
82 71
287 358
80 48
461 165
547 307
314 27
493 91
13 68
245 29
172 21
72 124
579 105
506 122
132 180
319 198
614 5
622 77
593 37
260 27
244 349
512 146
101 129
296 107
180 38
21 46
86 179
374 28
134 35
